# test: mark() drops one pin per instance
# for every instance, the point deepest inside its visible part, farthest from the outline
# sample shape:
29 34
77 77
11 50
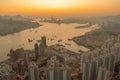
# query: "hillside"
9 25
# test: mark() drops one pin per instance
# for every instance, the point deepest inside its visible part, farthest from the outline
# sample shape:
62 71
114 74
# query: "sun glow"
54 3
63 7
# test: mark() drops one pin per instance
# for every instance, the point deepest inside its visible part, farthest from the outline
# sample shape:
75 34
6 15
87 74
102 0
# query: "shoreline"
94 39
13 25
19 30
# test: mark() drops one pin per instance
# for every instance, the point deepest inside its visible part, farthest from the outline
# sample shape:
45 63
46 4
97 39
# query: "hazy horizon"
60 7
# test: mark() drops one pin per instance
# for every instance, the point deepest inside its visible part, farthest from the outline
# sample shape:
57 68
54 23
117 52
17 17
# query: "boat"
55 36
59 40
38 40
52 39
60 45
69 39
29 40
83 26
68 44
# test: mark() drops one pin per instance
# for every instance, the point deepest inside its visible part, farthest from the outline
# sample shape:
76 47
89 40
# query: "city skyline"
59 7
59 40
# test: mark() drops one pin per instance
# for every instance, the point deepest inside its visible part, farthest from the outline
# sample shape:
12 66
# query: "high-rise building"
56 72
92 72
26 59
19 67
86 70
107 75
103 74
33 71
36 51
106 62
102 62
41 49
43 40
89 70
112 62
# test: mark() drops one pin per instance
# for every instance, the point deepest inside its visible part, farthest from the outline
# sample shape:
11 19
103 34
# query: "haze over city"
59 7
59 39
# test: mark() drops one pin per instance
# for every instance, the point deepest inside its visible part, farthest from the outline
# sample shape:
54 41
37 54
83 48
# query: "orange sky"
59 7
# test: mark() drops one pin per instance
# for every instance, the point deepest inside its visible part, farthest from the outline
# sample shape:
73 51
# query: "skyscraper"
33 71
103 74
43 40
26 59
102 62
56 72
89 70
86 69
36 51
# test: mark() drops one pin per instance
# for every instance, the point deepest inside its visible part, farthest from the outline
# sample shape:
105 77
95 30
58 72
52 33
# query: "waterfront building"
36 47
41 49
43 41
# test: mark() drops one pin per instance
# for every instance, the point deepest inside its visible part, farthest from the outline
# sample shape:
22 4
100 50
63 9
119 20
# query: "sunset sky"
59 7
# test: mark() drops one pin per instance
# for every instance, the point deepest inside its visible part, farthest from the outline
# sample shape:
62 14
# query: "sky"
59 7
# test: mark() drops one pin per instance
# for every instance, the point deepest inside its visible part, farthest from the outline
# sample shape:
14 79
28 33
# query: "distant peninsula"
110 27
13 24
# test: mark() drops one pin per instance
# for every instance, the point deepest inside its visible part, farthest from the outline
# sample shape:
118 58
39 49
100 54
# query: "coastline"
13 30
10 25
110 27
95 39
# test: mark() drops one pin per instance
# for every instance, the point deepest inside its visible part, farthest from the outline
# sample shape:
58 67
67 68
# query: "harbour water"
53 32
